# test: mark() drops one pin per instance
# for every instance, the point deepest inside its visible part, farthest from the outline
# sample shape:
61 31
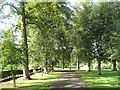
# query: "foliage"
10 54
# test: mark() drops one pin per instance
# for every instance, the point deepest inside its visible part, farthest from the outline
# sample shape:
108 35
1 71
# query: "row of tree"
57 34
99 31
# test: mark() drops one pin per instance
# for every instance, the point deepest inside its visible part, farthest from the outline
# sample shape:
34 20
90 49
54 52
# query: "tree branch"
11 6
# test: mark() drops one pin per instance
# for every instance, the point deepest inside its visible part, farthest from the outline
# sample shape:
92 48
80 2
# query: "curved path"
69 80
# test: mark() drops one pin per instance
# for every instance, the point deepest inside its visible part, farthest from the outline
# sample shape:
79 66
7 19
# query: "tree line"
55 34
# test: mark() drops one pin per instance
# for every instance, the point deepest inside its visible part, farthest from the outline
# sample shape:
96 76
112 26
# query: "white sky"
4 23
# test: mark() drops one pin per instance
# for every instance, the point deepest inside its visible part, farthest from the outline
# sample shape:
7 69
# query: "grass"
38 82
108 79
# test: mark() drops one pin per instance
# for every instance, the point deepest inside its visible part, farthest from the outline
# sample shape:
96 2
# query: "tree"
10 53
83 28
47 35
103 24
25 45
44 38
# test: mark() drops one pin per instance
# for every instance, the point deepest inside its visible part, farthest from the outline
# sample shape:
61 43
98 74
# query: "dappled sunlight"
68 79
109 79
37 81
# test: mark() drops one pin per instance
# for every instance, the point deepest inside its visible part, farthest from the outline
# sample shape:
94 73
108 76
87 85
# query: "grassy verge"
38 82
108 79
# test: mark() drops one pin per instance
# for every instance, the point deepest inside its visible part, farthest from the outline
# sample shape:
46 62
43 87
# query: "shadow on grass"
92 76
105 73
33 86
36 86
36 83
8 89
8 79
83 88
108 79
61 88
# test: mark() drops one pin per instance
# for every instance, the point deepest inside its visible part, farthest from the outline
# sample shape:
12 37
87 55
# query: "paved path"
68 80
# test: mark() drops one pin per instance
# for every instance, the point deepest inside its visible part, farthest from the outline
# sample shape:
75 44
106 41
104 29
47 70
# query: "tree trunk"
46 63
13 77
26 69
78 63
42 70
26 75
63 63
63 60
99 67
53 63
89 64
46 68
114 65
69 62
70 66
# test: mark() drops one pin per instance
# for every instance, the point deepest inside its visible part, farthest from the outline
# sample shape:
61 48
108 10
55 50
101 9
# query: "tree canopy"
54 34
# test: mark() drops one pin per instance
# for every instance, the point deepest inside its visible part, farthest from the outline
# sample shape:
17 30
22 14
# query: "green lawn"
108 79
39 82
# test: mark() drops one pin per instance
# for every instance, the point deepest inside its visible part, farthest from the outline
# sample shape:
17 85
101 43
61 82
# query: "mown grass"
38 82
108 79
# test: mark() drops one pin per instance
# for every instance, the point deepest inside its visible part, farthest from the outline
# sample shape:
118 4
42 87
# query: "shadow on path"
69 80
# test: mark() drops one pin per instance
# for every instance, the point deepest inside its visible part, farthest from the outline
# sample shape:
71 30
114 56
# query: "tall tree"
25 45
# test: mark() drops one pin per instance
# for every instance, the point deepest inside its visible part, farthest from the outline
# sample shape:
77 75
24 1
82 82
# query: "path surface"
68 79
